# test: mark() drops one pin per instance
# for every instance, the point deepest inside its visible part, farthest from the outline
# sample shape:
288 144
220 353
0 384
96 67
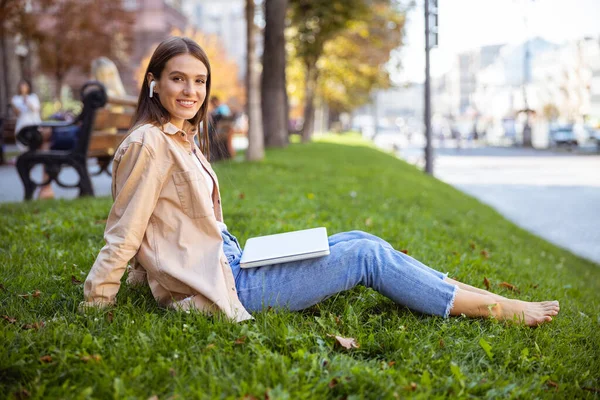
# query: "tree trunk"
255 150
5 102
309 102
273 76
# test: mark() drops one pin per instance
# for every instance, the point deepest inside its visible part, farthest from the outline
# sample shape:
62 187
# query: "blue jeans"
356 258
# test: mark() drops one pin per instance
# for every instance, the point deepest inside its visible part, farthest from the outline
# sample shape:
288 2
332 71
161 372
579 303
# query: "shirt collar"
171 129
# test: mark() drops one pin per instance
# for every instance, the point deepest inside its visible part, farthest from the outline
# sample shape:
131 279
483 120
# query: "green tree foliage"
313 24
339 53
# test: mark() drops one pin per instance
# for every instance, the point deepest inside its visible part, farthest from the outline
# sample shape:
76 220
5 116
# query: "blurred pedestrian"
26 106
219 110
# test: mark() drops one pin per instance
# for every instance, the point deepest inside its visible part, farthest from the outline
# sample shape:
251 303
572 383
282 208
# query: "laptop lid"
285 247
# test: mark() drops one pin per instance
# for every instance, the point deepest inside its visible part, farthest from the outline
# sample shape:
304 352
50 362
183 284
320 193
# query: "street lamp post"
431 40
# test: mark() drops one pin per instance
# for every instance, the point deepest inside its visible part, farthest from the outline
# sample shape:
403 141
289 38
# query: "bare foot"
529 313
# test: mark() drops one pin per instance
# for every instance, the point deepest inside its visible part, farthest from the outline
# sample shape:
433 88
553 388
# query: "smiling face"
181 88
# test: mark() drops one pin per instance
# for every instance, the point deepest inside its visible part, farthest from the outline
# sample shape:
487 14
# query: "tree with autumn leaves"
69 34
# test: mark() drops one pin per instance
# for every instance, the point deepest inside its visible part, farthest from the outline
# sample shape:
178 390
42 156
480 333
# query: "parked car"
563 135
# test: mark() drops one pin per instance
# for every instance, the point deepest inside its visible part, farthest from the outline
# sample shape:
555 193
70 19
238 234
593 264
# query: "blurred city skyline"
470 24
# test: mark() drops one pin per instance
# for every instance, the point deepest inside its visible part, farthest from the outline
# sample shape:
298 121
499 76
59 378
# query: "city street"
554 194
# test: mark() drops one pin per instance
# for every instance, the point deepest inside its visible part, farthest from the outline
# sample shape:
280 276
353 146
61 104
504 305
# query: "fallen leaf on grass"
509 286
347 343
553 384
109 317
535 286
472 245
93 357
332 383
36 293
46 359
36 325
240 340
391 363
9 319
22 394
242 196
412 387
486 283
485 254
404 251
442 343
75 281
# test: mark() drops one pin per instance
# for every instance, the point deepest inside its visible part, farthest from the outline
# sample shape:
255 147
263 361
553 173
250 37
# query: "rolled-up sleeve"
137 185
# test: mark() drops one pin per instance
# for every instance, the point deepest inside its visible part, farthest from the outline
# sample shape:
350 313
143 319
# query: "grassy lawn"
137 350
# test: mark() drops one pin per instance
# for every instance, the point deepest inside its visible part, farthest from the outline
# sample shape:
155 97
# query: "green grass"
137 350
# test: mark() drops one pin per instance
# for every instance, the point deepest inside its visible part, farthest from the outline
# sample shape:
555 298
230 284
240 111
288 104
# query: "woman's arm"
138 184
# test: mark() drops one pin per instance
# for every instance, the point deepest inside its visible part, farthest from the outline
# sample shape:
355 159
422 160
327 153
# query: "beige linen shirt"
163 216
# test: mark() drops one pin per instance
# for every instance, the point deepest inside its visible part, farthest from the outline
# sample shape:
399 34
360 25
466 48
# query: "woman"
26 106
167 214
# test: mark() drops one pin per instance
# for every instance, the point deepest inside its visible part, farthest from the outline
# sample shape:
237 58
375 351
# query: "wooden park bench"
94 97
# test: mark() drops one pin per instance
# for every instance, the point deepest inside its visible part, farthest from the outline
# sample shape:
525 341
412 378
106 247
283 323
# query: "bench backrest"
93 96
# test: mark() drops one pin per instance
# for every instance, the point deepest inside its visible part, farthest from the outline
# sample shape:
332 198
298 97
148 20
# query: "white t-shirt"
211 186
29 107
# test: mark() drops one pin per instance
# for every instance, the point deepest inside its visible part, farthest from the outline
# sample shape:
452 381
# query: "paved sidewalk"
554 194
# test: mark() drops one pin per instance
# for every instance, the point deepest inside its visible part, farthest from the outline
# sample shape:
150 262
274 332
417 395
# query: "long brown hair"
150 110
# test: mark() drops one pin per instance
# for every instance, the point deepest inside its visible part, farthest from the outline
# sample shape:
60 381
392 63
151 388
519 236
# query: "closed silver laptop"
285 247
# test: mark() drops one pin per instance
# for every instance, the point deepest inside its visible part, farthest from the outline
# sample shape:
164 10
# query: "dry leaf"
509 286
535 286
485 254
22 394
46 359
35 326
472 245
442 343
391 363
486 283
338 319
347 343
96 357
109 317
553 384
412 387
9 319
75 281
240 340
242 196
404 251
332 383
36 293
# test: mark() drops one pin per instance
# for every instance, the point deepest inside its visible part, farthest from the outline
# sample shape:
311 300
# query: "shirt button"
219 201
233 289
182 134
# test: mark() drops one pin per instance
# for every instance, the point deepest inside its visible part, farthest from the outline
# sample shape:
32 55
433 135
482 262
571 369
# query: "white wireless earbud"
152 84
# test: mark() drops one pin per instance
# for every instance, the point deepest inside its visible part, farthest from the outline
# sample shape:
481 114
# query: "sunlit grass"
139 350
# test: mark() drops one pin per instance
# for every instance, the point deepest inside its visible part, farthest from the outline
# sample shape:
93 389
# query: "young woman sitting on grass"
167 215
